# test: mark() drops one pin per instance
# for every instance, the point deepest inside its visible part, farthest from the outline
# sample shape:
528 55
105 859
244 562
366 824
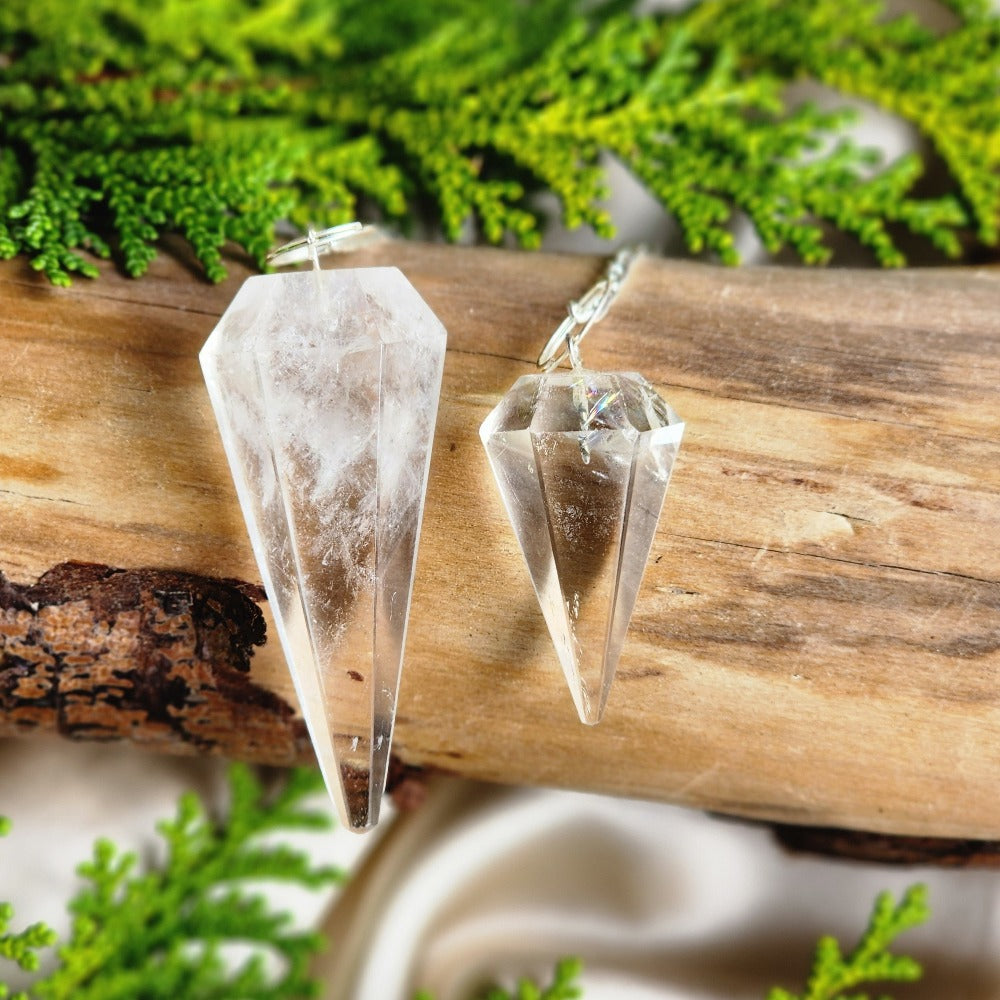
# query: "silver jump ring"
313 244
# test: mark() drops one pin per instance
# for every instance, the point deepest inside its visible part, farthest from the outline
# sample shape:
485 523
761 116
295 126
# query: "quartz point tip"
583 460
325 387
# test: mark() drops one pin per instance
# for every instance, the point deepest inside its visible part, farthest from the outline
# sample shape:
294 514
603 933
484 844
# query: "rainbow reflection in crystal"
583 460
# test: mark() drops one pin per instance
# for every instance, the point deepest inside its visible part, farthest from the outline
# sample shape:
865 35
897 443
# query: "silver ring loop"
313 244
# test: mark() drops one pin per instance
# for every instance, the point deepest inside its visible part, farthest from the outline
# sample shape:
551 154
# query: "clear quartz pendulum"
325 386
583 461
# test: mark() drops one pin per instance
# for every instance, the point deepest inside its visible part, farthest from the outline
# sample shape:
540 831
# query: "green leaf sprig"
161 934
835 976
565 985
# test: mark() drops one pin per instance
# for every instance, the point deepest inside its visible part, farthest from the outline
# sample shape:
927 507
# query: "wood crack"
81 290
759 549
33 496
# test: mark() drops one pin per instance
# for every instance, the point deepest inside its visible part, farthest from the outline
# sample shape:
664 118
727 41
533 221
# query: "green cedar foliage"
161 935
564 986
835 976
122 119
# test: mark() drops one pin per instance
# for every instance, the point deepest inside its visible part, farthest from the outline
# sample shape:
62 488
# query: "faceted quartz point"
583 460
325 387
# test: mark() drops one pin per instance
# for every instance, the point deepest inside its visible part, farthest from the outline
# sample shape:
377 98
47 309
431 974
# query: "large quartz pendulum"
325 385
583 460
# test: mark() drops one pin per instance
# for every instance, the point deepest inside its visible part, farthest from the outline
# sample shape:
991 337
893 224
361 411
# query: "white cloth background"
488 884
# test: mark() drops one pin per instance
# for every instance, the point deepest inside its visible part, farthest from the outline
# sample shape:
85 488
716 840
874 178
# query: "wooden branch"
817 639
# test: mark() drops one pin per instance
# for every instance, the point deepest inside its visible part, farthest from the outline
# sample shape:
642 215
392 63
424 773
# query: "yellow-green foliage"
120 119
159 934
835 976
564 986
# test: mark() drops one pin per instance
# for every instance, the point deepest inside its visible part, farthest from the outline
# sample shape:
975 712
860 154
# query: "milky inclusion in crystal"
583 460
325 387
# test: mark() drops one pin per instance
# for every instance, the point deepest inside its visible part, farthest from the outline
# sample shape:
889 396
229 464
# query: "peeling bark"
157 657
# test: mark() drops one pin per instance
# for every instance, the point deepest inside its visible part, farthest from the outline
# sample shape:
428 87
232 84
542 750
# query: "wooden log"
817 639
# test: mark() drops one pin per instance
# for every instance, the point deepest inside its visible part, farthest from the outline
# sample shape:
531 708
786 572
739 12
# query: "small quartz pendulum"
325 385
583 460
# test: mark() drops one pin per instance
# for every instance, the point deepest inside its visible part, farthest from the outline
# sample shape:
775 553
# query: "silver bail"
313 244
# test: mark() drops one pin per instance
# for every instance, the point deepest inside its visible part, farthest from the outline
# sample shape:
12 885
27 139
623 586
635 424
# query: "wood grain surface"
817 638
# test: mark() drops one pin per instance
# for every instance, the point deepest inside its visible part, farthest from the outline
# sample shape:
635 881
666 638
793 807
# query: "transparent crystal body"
583 461
325 386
